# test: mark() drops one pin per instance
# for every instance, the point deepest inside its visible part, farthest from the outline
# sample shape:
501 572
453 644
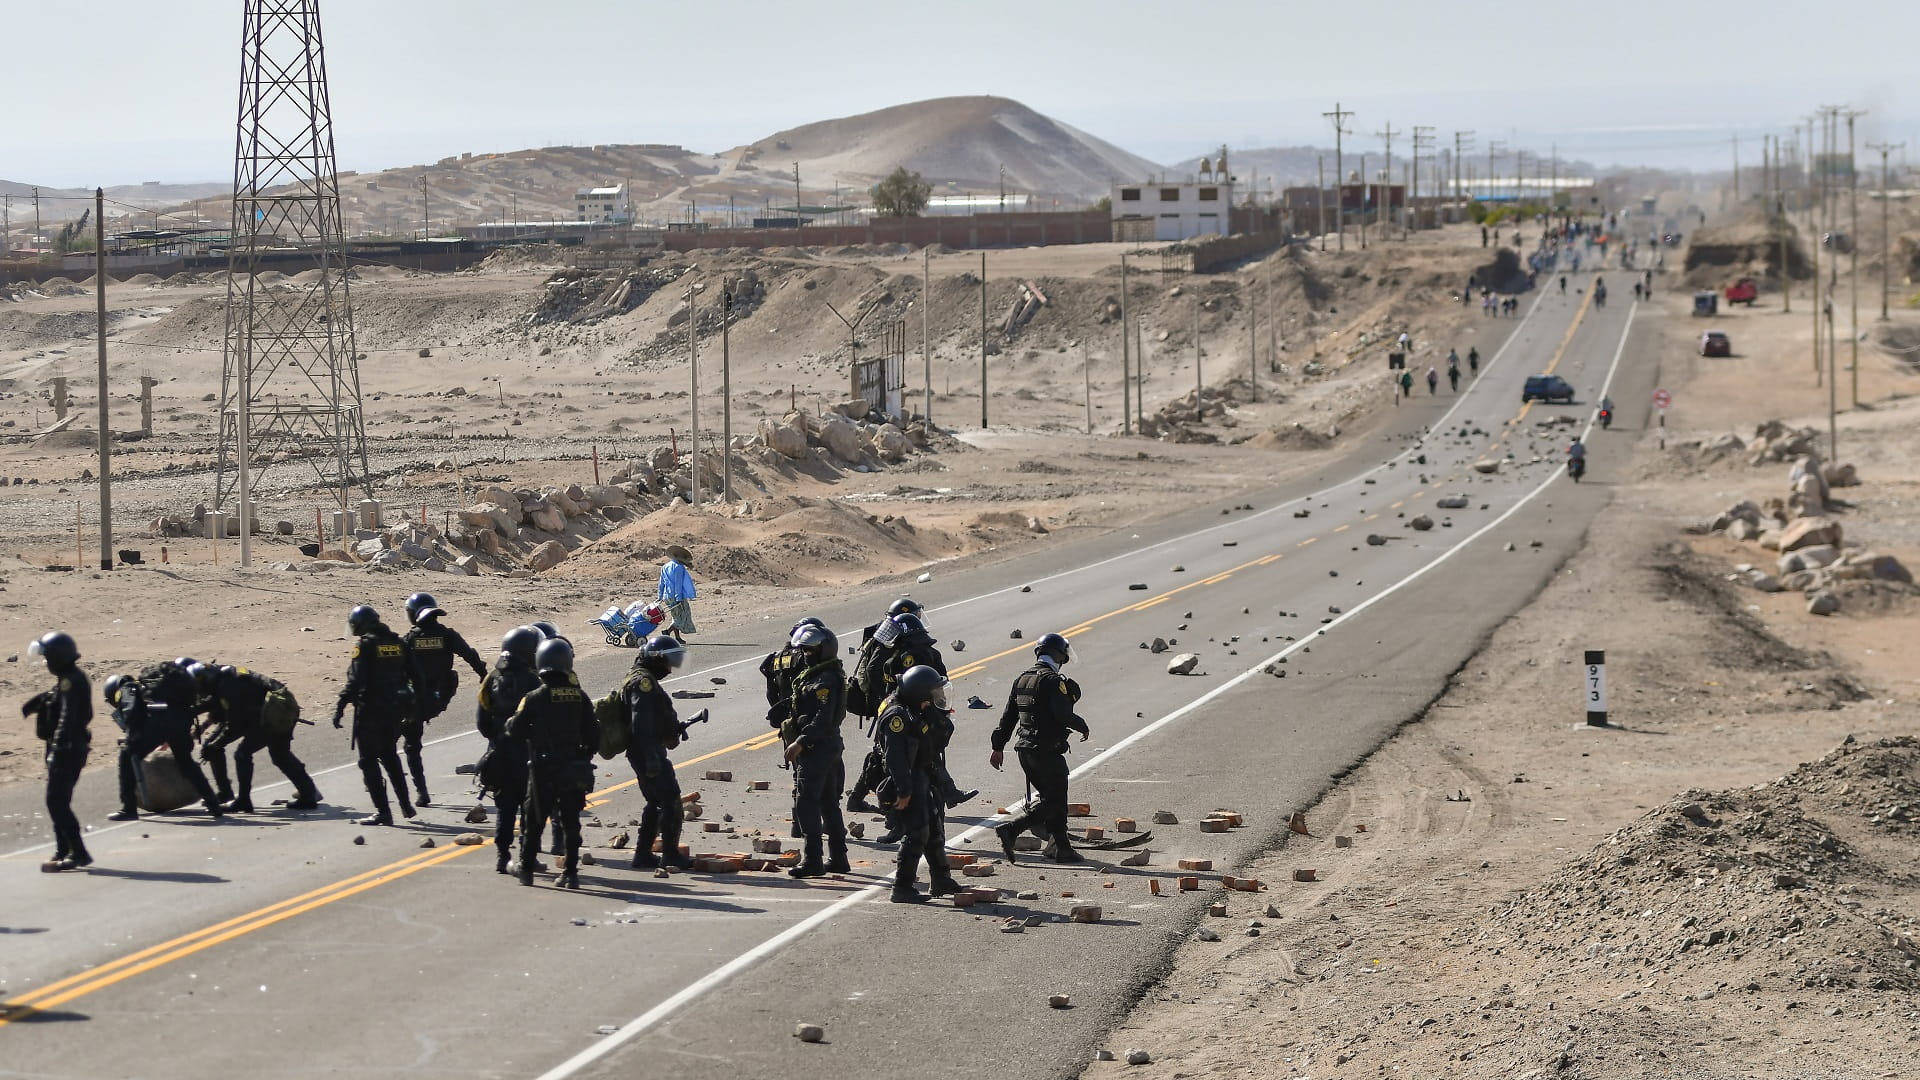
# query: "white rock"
1183 664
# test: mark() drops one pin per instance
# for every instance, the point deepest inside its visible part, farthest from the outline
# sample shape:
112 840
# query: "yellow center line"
1265 559
99 978
1398 505
1370 517
1217 578
1308 540
1343 528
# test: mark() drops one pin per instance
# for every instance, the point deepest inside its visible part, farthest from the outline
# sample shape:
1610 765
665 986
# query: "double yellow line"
55 994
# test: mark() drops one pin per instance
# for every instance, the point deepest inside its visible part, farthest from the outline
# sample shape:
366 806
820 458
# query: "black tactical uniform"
61 716
883 673
158 708
381 683
235 704
555 721
505 771
907 745
434 647
1041 706
815 711
655 732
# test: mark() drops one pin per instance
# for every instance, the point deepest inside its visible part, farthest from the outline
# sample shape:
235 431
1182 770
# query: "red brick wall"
973 231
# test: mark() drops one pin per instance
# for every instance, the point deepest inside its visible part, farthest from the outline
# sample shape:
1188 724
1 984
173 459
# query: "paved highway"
273 945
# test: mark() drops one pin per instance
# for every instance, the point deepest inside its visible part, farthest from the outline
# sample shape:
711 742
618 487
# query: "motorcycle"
1606 419
1576 468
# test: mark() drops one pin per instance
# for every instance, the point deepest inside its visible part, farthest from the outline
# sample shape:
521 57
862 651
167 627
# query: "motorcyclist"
1577 458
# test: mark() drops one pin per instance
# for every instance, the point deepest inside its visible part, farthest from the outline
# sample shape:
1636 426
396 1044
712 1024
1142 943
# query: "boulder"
1452 502
1879 567
367 549
467 564
1842 476
1183 664
784 439
602 496
664 459
498 495
1822 603
890 443
1763 581
841 437
1808 532
548 519
547 556
1487 466
853 408
567 504
416 552
1420 523
1809 558
501 518
458 567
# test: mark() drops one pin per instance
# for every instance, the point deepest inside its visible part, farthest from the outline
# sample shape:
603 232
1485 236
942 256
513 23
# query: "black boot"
125 813
810 864
421 798
643 856
858 804
240 806
570 873
955 798
384 817
382 812
1062 852
1008 833
309 800
503 862
837 855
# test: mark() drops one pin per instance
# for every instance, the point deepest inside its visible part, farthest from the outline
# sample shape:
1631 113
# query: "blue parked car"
1548 388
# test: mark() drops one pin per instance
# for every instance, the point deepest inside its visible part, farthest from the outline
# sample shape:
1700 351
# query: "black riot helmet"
920 684
815 640
547 630
907 605
520 643
663 654
1055 646
362 619
908 624
419 604
554 655
58 649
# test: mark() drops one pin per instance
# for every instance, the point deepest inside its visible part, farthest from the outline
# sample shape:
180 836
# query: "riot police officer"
381 685
810 733
906 737
157 707
503 771
434 646
912 646
555 720
61 716
258 713
778 669
1041 706
654 731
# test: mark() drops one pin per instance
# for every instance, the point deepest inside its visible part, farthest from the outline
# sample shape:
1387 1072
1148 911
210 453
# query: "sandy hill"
958 143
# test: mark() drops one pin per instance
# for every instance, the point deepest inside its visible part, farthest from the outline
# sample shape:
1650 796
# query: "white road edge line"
640 1024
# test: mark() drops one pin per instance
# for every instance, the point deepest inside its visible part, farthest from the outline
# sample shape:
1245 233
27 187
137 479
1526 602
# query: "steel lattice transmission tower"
290 381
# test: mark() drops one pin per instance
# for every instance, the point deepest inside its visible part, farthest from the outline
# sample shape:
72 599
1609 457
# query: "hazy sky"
1664 82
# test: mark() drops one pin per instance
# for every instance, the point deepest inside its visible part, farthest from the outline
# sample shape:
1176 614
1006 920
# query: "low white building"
603 204
1177 211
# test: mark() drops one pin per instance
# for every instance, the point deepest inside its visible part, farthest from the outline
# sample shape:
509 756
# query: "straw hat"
680 555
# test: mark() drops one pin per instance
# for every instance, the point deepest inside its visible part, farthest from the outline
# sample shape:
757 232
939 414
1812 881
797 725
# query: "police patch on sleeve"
823 693
356 652
906 660
1062 686
645 683
897 725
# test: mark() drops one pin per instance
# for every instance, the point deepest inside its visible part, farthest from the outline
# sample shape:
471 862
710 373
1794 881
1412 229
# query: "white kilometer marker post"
1595 690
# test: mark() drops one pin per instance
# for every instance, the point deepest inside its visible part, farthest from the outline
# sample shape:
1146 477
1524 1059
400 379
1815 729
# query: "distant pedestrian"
1453 377
677 592
1433 381
1473 360
1406 384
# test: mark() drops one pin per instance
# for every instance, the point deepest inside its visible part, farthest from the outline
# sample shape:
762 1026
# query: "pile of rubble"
543 527
1187 419
1814 556
585 296
1773 443
1762 888
850 435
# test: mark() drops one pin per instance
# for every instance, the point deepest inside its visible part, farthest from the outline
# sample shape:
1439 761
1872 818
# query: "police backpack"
279 711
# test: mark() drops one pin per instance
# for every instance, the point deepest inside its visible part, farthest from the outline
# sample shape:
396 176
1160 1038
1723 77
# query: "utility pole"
1253 350
1494 146
1780 202
1199 380
726 390
1736 168
1320 197
36 224
1853 259
1422 140
1886 203
1126 365
983 339
100 321
6 225
426 219
1462 142
1386 133
693 369
798 221
926 341
1140 374
1366 190
1339 118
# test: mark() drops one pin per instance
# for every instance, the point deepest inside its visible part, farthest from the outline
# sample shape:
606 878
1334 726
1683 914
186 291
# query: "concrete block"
1079 809
1095 832
1189 884
1343 841
1125 825
1217 910
1306 875
1084 913
1196 864
977 869
1241 884
759 785
1164 817
1214 825
767 846
710 826
719 776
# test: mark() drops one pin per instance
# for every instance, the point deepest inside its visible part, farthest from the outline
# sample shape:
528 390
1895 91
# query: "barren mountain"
957 143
